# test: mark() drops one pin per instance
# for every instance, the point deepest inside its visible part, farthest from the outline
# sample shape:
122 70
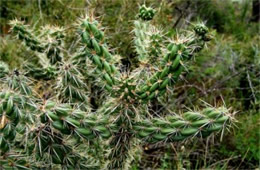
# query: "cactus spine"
63 129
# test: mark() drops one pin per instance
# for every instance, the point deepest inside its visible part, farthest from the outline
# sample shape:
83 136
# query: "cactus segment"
100 55
175 69
181 128
52 48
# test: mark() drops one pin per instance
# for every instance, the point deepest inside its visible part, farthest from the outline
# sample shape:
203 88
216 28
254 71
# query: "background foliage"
227 72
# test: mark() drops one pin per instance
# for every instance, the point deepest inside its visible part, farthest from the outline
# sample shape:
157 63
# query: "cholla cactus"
59 127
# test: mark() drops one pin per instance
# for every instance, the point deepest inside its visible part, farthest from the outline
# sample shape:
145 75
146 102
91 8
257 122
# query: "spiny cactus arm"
183 127
17 81
141 40
52 149
16 113
122 141
49 45
147 38
54 43
120 144
44 139
75 122
25 34
122 114
16 108
168 74
71 87
93 38
172 65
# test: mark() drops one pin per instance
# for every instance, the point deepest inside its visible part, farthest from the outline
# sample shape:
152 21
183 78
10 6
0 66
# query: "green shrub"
246 139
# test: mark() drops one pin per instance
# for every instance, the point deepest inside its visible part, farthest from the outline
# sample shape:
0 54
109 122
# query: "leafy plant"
91 111
245 140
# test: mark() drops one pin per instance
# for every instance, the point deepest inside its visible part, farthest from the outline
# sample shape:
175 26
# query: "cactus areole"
57 126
